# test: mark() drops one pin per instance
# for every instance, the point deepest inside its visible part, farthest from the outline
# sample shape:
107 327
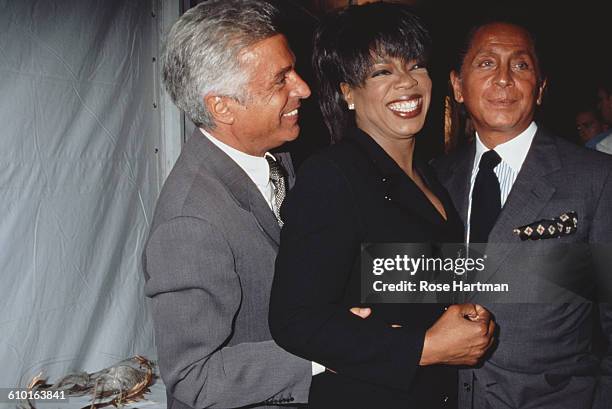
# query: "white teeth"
405 106
292 113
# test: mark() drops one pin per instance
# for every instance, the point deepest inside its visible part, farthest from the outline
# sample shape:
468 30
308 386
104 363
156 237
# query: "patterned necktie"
486 198
277 177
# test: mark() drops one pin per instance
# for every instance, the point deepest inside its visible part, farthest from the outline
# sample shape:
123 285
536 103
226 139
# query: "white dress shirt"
605 145
256 167
513 154
258 170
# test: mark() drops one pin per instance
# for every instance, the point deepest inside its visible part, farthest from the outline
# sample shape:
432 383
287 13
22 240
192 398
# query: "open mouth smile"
291 113
406 108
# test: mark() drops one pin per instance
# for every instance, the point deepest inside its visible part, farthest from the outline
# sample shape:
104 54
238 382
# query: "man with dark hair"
529 198
590 126
209 258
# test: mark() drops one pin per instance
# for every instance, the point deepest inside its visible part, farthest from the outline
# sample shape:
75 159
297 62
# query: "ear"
541 90
220 108
346 92
457 86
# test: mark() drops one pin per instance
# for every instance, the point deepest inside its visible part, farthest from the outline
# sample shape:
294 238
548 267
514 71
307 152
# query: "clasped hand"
461 336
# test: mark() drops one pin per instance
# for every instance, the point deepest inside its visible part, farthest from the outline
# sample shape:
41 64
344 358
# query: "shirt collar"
512 152
256 167
591 143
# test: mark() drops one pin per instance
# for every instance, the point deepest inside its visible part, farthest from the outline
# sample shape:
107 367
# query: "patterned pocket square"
563 225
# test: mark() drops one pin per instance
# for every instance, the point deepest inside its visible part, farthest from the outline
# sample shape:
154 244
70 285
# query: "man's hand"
461 336
361 312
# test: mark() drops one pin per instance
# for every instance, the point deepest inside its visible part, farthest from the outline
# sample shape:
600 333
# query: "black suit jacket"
354 193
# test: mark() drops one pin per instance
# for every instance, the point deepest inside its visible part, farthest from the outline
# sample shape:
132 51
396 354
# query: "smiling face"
588 125
392 102
499 82
269 116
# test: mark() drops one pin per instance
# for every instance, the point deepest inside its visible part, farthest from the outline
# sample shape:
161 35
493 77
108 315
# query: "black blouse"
354 193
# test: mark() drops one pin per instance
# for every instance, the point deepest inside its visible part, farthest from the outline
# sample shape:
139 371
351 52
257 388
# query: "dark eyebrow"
522 53
494 50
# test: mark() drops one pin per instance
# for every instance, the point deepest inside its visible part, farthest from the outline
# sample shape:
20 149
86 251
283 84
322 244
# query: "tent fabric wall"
79 175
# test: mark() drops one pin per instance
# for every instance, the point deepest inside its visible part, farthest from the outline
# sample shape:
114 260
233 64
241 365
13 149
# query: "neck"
492 139
229 138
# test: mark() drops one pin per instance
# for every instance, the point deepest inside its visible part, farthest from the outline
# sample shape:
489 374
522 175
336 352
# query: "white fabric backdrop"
78 183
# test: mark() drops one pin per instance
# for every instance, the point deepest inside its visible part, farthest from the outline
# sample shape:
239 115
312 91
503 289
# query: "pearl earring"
351 106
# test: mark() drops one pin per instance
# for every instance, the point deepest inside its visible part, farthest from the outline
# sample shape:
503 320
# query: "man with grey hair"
209 258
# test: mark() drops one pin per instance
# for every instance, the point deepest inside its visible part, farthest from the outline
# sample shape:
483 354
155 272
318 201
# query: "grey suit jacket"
209 264
543 356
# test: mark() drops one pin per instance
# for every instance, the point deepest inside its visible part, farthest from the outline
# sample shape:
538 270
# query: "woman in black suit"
374 93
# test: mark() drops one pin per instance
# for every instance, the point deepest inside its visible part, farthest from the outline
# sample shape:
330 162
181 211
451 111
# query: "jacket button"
384 180
467 387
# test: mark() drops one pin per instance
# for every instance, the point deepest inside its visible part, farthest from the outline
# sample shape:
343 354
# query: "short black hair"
345 45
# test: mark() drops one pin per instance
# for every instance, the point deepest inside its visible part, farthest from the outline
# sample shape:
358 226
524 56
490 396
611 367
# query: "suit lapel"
529 194
264 215
238 183
396 185
431 180
404 193
458 182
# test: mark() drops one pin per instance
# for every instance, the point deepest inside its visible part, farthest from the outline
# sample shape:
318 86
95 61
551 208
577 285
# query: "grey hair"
201 53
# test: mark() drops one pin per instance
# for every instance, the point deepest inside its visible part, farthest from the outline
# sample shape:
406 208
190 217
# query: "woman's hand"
461 336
